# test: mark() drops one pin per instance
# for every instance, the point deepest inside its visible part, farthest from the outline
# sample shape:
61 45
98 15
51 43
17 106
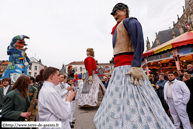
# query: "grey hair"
162 74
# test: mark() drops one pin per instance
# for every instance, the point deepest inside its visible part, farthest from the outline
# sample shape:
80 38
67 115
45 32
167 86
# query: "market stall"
172 55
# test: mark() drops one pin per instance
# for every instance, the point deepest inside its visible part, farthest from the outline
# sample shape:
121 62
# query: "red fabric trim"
76 77
148 53
188 36
183 43
75 80
121 60
113 29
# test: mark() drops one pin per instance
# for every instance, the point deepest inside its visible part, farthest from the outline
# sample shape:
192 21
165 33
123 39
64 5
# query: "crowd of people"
55 99
57 93
51 95
175 93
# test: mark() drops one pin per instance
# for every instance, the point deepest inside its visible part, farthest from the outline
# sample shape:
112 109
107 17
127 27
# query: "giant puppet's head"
18 42
70 67
90 52
120 11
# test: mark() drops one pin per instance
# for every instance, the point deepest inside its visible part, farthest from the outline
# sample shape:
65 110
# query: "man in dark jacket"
180 75
159 88
189 82
32 88
3 91
190 68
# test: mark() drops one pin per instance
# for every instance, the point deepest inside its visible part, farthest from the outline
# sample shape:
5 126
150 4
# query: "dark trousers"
165 105
190 112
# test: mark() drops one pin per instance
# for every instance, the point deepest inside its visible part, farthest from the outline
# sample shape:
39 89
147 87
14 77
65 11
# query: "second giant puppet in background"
93 88
17 58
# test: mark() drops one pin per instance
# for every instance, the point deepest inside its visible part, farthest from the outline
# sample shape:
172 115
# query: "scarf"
113 29
172 81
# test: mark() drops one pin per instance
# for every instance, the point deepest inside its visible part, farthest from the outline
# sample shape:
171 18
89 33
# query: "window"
30 67
75 69
35 74
29 73
80 68
35 67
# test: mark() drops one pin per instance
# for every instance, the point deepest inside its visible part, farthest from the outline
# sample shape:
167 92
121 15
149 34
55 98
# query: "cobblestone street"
84 117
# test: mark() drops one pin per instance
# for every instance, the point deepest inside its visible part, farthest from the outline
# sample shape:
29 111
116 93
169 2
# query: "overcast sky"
60 31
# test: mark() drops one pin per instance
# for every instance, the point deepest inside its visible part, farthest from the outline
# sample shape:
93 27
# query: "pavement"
84 117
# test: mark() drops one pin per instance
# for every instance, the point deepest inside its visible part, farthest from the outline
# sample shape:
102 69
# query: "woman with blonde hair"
16 102
93 88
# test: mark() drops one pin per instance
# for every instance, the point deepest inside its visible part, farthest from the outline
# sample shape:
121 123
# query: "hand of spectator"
157 87
25 114
73 93
70 88
36 101
70 96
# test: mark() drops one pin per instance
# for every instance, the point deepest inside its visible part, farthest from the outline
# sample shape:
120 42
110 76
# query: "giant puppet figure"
17 58
130 102
70 72
93 89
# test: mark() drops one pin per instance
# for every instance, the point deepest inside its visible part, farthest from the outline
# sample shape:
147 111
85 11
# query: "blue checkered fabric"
126 106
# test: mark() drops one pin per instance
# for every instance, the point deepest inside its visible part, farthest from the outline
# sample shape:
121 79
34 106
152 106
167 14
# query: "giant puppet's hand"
90 81
136 74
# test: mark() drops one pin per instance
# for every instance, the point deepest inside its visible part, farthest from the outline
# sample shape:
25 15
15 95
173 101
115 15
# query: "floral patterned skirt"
95 94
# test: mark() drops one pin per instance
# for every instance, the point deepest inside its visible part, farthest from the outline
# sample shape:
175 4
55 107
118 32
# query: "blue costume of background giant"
17 59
